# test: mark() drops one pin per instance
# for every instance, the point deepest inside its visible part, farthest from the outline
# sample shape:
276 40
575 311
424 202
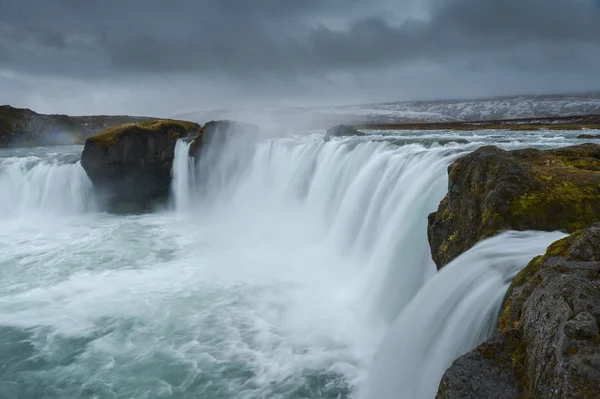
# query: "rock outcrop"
342 131
26 128
491 190
486 372
549 341
130 165
589 136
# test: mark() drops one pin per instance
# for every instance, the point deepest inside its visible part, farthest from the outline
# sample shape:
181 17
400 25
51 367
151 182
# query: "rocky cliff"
26 128
491 190
549 342
130 165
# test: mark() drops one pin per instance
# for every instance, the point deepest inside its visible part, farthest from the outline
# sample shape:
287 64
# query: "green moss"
584 163
561 247
174 128
444 248
525 275
568 206
453 171
509 316
503 320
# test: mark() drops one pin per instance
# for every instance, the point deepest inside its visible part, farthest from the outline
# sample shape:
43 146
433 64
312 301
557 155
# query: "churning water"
278 272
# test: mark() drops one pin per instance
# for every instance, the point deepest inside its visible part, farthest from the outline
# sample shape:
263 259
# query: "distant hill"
25 128
497 108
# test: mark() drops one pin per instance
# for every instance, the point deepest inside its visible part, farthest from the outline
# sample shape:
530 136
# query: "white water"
369 200
31 184
454 312
183 177
277 274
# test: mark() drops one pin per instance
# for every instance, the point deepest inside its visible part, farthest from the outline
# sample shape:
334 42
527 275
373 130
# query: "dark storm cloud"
276 45
271 36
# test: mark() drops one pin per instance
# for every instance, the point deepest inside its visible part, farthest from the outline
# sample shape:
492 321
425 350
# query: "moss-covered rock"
549 327
491 190
130 165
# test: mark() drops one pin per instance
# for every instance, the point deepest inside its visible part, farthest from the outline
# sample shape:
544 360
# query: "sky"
158 57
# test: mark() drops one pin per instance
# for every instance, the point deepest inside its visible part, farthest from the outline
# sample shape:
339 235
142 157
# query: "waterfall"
182 183
454 312
30 184
287 267
370 197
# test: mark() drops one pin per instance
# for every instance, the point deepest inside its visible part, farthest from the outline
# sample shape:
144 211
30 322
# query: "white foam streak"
182 183
454 312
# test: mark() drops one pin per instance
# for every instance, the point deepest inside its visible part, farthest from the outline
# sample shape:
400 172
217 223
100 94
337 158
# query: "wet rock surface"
549 328
130 165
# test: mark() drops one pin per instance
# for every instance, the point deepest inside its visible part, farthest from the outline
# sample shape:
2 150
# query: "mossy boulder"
342 131
549 328
491 190
130 164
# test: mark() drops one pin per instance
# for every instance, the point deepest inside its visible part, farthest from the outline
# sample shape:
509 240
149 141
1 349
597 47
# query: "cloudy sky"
160 57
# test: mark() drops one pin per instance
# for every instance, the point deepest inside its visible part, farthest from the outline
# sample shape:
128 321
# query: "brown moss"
174 128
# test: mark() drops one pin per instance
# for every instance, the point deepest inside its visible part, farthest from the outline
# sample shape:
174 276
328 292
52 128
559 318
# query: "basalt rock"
342 131
549 342
486 372
589 136
491 190
130 165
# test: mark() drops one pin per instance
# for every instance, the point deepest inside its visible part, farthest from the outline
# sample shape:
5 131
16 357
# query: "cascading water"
31 184
454 312
284 263
371 199
183 179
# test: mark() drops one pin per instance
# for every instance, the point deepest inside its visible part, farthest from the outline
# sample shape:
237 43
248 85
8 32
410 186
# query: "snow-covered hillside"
515 107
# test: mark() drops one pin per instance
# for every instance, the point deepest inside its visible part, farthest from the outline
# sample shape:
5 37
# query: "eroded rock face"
485 372
549 327
342 131
130 165
491 190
